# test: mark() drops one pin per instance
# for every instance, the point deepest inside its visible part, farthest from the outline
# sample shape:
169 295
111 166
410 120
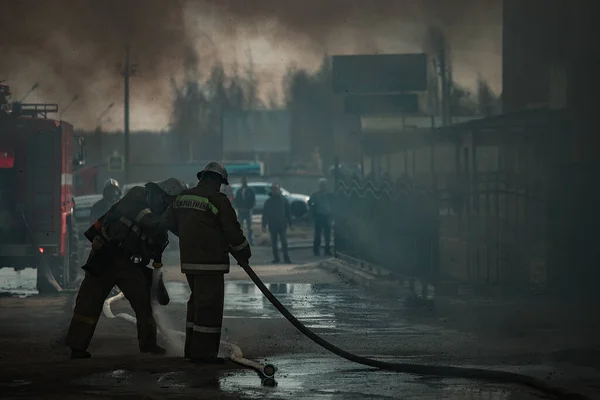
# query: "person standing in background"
321 206
244 202
277 217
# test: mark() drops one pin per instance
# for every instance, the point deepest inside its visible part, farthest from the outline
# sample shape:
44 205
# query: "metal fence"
482 221
390 225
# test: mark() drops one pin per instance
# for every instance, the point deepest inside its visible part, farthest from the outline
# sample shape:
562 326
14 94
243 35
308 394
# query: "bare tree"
309 99
189 103
199 105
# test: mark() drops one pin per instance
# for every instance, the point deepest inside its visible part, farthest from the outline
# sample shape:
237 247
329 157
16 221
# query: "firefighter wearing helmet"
124 240
111 193
208 231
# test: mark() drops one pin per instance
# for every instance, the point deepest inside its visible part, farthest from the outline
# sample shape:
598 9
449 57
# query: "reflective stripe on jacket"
208 229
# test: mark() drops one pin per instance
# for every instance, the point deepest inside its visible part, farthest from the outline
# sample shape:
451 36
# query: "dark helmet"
111 186
217 168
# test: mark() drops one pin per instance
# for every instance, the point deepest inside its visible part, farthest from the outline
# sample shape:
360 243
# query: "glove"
157 265
243 256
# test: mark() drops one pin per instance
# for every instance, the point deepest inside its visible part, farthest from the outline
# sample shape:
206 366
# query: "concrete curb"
369 281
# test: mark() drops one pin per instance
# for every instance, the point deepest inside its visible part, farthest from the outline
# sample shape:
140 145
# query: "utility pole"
445 86
128 71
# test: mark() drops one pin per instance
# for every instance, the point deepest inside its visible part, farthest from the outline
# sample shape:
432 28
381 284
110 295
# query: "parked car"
298 202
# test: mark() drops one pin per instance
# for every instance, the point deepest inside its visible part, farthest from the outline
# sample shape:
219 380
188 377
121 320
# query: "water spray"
265 371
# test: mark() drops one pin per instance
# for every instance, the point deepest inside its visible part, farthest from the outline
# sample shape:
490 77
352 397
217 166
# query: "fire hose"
265 371
417 369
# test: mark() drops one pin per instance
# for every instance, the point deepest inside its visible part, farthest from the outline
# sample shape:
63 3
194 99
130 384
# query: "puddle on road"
324 307
332 378
305 377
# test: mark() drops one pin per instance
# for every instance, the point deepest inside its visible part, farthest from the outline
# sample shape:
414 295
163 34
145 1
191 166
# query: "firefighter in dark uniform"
110 195
208 231
123 242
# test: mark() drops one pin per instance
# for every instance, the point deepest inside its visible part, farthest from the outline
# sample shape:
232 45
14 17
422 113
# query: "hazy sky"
73 47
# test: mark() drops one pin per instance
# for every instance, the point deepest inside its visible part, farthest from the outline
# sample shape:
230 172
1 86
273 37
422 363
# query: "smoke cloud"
74 47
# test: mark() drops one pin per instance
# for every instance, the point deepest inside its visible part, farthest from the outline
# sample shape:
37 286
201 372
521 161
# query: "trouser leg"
327 234
88 306
245 217
189 319
134 285
284 245
209 294
317 238
250 232
274 244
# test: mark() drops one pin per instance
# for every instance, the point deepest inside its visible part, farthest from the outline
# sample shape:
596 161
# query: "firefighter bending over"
110 195
208 231
123 242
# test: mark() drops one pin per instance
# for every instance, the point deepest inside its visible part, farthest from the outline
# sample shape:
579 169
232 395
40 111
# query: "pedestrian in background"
321 206
244 202
277 217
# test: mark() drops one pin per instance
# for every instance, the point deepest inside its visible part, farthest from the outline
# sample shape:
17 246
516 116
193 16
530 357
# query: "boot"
156 350
79 354
287 260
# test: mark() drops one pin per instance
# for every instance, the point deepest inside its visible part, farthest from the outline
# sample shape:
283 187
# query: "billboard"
380 73
260 131
381 104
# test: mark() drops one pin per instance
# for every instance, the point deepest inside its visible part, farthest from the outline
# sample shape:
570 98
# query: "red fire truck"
37 161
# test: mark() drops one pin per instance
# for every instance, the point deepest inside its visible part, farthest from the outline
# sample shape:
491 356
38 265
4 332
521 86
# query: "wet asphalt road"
343 314
337 313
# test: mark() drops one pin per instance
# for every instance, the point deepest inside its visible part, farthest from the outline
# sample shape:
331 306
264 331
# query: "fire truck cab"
37 161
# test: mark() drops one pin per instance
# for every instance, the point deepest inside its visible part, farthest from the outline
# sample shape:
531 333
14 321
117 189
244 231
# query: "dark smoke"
75 47
318 19
72 47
